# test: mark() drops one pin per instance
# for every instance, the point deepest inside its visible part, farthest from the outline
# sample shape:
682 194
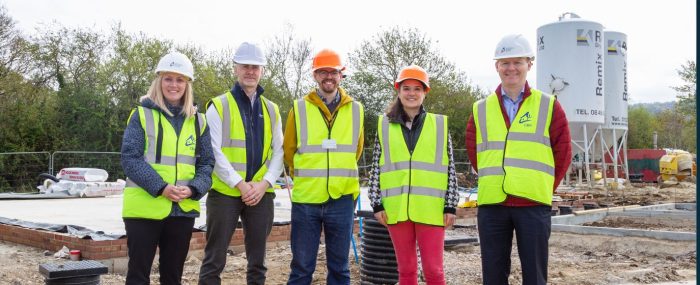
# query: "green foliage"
73 88
684 119
688 91
456 103
214 76
675 131
377 63
642 125
26 115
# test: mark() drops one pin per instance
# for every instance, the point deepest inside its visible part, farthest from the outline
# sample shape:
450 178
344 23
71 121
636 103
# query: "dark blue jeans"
532 226
335 218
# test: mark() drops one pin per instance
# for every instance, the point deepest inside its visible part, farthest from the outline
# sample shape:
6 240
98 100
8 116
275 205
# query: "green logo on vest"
525 118
190 141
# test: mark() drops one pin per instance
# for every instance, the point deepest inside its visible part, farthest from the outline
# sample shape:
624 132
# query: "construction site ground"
573 258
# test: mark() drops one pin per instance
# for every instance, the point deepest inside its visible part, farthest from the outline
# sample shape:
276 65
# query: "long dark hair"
395 111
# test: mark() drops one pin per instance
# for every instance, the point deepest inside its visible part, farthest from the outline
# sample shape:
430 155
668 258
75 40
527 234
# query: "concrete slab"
685 215
571 223
666 235
104 214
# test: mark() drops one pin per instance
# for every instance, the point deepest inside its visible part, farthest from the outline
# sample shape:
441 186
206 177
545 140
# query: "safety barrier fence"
19 170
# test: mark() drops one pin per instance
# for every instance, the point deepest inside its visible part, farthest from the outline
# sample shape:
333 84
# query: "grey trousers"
222 219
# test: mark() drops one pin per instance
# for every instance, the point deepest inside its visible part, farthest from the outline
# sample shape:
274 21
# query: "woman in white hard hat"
413 187
167 158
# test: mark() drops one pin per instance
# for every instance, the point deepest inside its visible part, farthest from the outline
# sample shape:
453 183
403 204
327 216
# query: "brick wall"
98 250
109 249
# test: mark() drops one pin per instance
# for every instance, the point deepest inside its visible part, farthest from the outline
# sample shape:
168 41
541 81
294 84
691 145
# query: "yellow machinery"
676 165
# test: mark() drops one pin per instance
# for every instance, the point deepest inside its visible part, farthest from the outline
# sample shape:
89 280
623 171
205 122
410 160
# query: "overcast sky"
661 34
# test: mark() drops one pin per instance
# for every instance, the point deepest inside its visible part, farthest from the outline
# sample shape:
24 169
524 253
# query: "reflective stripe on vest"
320 173
233 140
176 164
413 185
516 161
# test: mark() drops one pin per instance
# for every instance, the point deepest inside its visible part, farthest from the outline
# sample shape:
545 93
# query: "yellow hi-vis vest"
172 156
516 161
233 140
413 186
322 173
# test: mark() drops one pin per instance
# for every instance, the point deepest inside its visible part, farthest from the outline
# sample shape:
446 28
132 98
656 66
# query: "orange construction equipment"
327 58
413 72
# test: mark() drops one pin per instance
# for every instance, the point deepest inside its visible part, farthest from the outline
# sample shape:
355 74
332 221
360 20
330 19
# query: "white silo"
614 129
570 65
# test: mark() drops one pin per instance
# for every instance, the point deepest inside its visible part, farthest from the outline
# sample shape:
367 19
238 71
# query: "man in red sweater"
518 141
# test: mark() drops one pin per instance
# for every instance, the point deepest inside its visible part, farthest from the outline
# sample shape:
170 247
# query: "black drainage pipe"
378 265
590 206
564 209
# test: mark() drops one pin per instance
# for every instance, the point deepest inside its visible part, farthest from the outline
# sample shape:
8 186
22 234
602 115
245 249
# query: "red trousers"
404 236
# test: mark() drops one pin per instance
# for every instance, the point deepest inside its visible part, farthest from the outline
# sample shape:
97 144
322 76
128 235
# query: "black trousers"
532 226
223 213
172 235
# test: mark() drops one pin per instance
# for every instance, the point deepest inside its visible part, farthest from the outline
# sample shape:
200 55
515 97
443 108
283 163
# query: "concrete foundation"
670 212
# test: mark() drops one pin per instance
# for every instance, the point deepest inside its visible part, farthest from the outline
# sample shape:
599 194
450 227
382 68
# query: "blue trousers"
335 219
532 226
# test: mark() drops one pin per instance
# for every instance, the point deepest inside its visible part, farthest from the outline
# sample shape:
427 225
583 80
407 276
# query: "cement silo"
570 66
614 129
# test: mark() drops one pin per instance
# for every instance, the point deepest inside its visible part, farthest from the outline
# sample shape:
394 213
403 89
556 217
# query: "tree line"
68 88
676 127
73 88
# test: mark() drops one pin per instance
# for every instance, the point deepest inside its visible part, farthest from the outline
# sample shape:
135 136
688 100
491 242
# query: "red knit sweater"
559 137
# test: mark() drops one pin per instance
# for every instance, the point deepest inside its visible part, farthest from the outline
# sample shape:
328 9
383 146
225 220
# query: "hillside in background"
656 107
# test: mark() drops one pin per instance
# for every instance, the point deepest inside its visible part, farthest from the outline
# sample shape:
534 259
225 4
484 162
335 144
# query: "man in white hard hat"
519 143
246 135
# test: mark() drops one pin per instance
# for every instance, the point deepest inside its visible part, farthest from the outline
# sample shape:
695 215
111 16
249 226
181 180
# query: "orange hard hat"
413 72
327 58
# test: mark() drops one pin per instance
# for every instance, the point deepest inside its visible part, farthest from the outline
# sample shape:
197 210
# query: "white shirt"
223 168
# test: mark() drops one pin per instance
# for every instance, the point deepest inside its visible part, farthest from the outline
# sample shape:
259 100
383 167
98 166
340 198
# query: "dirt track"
574 259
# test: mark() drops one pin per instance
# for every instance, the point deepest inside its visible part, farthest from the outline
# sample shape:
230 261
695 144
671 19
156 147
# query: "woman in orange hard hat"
413 186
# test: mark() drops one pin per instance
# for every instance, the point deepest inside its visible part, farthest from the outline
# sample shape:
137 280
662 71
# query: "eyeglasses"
325 73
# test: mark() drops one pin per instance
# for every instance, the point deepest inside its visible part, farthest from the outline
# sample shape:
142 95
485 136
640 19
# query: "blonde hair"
155 93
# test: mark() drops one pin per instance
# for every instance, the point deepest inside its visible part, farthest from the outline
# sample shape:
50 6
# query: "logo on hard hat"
506 49
174 64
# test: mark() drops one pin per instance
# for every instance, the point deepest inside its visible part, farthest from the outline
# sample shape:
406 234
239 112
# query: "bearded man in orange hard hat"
323 140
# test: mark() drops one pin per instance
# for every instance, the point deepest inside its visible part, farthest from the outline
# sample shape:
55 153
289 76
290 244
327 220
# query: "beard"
329 86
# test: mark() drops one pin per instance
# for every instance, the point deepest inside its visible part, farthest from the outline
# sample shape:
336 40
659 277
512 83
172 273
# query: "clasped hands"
252 192
177 193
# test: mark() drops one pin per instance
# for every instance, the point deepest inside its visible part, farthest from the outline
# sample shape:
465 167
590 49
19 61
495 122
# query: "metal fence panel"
18 170
109 161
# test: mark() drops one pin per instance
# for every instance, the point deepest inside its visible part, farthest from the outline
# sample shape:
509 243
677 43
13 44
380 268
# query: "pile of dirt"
683 192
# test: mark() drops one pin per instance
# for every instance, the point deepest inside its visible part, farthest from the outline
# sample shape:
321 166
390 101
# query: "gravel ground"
574 259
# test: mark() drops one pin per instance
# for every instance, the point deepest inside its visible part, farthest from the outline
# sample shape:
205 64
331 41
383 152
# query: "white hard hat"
513 46
248 53
176 62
